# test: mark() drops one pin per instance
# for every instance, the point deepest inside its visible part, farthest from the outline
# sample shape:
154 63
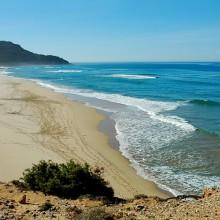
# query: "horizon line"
181 61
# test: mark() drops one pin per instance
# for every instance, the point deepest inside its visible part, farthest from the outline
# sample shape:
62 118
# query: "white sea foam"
147 143
64 71
116 69
152 108
191 182
138 138
175 120
3 70
3 67
132 76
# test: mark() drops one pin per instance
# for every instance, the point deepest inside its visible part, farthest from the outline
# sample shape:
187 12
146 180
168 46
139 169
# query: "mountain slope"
14 54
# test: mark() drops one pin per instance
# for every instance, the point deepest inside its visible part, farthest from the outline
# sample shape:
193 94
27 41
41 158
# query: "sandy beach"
37 123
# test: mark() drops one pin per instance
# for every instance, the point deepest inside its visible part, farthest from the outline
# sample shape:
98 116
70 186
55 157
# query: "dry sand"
37 123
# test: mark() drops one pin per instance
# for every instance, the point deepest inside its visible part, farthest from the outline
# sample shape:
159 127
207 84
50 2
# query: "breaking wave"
64 71
204 102
130 76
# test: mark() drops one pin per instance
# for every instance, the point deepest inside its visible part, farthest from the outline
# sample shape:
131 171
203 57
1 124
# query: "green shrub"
69 180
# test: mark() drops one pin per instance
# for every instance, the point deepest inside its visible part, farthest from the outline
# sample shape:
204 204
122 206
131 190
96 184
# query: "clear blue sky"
115 30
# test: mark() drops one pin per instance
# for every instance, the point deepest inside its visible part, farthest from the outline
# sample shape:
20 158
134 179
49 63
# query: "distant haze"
115 30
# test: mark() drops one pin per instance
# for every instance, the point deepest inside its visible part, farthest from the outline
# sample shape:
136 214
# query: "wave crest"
3 70
204 102
152 108
64 71
133 76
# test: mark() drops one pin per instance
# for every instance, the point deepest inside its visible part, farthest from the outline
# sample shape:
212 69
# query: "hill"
14 54
19 204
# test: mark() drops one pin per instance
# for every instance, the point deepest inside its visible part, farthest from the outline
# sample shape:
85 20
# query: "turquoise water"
167 115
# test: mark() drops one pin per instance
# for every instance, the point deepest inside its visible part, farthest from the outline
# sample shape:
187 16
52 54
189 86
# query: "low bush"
95 214
67 180
45 206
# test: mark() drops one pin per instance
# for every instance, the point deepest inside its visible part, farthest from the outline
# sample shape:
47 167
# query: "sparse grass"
46 206
29 97
140 196
14 112
98 213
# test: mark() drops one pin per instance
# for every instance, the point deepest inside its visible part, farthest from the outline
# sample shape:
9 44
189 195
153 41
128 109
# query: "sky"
115 30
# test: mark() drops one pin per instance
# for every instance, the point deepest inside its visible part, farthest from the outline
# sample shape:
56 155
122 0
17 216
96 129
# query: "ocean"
167 115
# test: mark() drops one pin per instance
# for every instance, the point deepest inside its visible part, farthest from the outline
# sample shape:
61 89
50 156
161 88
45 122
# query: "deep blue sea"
167 115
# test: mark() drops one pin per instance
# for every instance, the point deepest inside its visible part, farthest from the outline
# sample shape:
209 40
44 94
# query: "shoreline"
107 127
63 122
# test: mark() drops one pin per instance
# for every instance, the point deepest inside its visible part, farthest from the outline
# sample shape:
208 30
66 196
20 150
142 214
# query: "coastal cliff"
14 54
